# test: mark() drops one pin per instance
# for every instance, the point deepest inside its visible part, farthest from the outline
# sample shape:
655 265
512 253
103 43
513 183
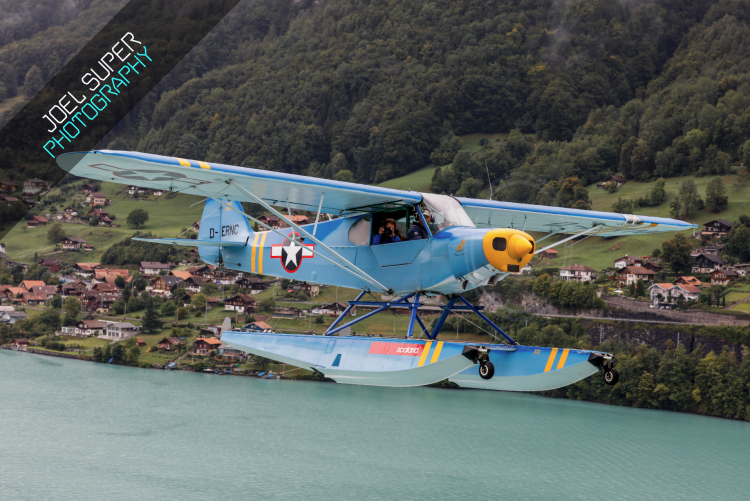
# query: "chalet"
332 309
33 185
205 271
548 254
228 353
140 342
93 300
73 243
53 264
37 221
203 346
182 274
120 330
742 269
165 285
578 273
670 292
258 327
714 249
169 343
650 265
627 261
724 277
272 221
687 281
688 292
132 190
255 284
87 188
101 274
631 274
192 284
717 228
152 267
70 213
8 200
8 186
86 328
312 289
87 247
96 199
105 287
26 285
226 277
285 313
616 180
32 299
48 291
11 317
241 303
707 263
20 343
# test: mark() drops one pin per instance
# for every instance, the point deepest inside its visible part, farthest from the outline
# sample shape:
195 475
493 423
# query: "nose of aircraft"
507 249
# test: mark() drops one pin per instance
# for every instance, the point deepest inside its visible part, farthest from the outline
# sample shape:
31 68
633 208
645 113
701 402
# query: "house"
627 261
724 277
87 188
707 263
8 200
140 342
717 228
226 277
241 303
46 291
205 271
152 267
28 284
165 284
53 264
11 317
101 274
96 199
182 274
631 274
548 254
93 300
255 284
158 192
714 249
132 190
742 269
687 281
73 243
33 299
192 284
258 327
86 328
70 213
8 186
670 292
20 343
120 330
272 221
285 313
203 346
37 221
312 289
688 292
650 265
577 272
332 309
616 180
169 343
228 353
33 185
87 247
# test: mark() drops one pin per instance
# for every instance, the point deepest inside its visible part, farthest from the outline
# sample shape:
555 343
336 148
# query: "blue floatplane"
402 244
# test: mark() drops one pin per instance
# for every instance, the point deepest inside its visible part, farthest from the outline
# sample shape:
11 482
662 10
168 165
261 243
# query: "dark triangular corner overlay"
168 30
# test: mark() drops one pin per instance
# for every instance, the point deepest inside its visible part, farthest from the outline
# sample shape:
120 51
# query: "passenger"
417 231
388 233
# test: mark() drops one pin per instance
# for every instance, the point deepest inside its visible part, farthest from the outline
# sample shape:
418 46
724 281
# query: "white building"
577 272
119 330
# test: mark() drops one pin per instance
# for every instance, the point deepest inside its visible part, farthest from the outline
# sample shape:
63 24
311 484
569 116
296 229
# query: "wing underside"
224 181
527 217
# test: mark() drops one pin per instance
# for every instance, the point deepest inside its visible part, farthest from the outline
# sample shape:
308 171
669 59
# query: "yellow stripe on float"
252 256
260 252
183 161
550 360
204 165
563 358
437 352
424 353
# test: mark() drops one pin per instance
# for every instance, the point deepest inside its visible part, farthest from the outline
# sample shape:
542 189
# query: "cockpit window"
446 212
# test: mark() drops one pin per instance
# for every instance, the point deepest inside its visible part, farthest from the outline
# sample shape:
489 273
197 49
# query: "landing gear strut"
605 362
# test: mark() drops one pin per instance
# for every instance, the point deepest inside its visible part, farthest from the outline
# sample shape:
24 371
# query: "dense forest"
378 89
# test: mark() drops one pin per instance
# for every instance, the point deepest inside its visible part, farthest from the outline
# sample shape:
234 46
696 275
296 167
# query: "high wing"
527 217
216 180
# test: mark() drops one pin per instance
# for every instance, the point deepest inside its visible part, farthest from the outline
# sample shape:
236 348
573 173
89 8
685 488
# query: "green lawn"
736 296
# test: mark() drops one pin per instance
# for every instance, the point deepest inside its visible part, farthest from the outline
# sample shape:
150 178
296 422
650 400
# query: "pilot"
388 233
417 231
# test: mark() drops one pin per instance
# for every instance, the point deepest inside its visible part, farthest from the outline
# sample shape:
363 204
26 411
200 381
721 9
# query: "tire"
611 376
486 370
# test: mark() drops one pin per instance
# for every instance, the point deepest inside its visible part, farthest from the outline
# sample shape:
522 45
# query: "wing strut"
366 278
569 238
307 234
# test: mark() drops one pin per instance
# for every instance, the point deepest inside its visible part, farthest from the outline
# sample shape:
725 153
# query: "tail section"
221 226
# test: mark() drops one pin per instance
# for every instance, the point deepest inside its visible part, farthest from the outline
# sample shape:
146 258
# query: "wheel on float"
486 370
611 376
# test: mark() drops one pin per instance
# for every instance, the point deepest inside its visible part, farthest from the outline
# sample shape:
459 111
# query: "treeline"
129 251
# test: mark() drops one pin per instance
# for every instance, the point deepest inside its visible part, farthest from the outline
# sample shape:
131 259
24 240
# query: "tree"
93 221
72 308
118 307
716 195
198 302
151 322
119 281
656 253
33 81
137 217
658 194
344 176
57 301
56 233
208 288
640 287
182 313
623 206
267 305
168 309
676 252
687 201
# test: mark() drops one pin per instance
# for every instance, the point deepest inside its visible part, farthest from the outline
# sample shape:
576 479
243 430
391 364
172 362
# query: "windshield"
446 212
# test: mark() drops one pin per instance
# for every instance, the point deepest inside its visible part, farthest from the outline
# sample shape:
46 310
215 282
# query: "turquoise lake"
75 430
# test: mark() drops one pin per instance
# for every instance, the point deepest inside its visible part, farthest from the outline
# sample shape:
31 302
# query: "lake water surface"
75 430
